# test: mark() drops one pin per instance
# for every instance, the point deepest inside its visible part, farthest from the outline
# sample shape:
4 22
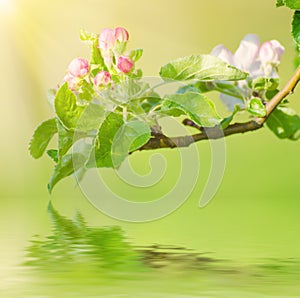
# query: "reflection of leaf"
73 243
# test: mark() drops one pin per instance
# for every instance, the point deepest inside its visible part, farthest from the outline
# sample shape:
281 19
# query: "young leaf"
197 106
285 123
226 121
101 154
202 68
87 36
65 167
41 138
256 107
131 136
66 107
293 4
265 84
136 55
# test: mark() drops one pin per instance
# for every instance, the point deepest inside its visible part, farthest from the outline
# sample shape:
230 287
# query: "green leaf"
280 3
89 121
271 93
285 123
297 56
92 40
87 36
265 84
96 57
136 55
66 107
101 154
197 106
130 137
226 121
296 26
65 139
91 118
53 154
51 93
293 4
222 87
86 91
41 137
202 68
256 107
65 167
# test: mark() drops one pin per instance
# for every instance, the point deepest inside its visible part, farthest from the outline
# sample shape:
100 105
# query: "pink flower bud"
72 82
102 78
78 67
271 52
125 64
107 39
121 34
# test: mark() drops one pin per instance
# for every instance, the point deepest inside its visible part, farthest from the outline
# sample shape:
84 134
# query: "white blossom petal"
223 53
247 52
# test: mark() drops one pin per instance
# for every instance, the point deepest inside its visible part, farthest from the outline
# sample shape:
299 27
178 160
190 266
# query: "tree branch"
159 140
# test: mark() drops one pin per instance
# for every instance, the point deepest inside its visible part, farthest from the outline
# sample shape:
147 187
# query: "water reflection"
77 260
73 243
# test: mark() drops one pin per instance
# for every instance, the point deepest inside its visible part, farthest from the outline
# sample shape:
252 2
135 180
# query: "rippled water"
77 260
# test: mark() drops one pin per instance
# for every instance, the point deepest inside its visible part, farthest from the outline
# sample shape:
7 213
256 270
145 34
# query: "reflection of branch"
161 141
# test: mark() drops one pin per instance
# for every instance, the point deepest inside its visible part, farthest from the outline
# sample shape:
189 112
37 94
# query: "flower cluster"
111 44
260 61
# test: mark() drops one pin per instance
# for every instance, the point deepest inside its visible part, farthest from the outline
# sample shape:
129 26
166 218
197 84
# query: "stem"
216 132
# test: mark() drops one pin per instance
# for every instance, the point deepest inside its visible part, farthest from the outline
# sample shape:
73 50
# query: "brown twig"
161 141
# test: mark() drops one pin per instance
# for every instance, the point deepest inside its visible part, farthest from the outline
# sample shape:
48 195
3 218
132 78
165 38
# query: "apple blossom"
107 39
125 64
271 51
72 81
121 34
102 78
258 61
78 67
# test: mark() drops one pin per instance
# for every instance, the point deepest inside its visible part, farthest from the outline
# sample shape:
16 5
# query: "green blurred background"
255 213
